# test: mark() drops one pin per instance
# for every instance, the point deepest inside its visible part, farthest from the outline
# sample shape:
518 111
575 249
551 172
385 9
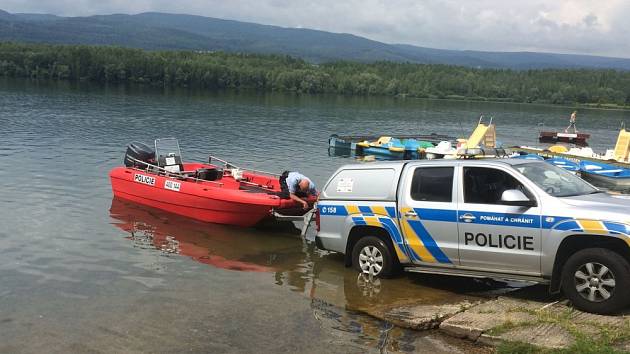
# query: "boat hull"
566 164
217 202
605 174
606 181
383 151
338 143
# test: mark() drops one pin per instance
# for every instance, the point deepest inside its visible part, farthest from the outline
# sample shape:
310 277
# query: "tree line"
219 70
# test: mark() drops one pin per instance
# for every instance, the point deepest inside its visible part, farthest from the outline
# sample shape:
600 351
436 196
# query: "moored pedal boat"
388 146
566 164
481 143
606 174
561 162
218 193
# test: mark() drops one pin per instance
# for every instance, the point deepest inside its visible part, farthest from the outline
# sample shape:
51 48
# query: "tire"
371 255
592 288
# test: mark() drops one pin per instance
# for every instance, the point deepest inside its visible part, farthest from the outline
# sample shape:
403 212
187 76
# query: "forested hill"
218 70
159 31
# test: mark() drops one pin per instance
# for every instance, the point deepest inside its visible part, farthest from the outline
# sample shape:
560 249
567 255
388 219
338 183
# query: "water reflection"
336 293
295 264
209 244
281 253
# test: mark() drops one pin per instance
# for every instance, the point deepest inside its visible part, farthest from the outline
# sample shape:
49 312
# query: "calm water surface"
80 272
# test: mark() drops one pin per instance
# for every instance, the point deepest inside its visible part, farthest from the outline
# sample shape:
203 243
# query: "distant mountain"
6 16
161 31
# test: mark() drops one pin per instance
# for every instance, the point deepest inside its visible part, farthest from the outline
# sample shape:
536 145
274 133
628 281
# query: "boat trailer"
306 219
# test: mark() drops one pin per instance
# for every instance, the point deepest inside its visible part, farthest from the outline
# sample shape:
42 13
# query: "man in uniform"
296 186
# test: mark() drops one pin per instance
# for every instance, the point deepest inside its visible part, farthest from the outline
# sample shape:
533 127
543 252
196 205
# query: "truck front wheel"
597 280
371 255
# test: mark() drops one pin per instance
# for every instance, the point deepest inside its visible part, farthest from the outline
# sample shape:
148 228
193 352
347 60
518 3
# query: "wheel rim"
594 282
371 260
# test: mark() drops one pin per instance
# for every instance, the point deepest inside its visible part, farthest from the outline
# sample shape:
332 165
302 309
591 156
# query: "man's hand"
299 200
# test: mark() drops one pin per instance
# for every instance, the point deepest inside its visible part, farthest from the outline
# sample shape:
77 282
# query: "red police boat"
212 192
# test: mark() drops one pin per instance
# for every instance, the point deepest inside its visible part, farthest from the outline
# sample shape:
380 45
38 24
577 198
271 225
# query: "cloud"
565 26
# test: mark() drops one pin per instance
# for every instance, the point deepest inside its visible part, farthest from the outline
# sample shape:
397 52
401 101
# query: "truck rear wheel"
597 280
371 256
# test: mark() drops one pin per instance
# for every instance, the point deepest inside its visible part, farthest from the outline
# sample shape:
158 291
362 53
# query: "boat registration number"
144 179
172 185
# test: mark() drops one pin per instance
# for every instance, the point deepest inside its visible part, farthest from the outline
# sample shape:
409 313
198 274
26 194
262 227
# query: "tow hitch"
306 219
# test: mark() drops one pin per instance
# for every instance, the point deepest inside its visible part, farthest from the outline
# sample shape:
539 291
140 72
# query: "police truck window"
484 185
432 184
554 180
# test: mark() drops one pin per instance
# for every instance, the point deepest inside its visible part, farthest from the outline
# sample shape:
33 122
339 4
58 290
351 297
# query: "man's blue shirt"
294 178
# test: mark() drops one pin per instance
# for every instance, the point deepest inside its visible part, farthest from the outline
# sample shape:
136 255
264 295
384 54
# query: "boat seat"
383 140
208 174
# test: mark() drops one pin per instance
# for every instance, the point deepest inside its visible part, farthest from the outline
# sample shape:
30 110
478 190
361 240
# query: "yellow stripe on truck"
352 209
593 226
372 221
402 257
379 210
416 244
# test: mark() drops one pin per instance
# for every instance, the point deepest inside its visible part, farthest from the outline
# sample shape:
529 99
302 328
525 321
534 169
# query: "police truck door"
492 235
428 214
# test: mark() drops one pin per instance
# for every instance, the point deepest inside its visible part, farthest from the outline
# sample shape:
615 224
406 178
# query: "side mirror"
517 198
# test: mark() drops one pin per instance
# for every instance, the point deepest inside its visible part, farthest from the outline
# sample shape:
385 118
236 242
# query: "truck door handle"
467 217
411 214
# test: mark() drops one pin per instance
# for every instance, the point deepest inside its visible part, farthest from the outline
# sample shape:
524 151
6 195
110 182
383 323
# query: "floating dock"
556 137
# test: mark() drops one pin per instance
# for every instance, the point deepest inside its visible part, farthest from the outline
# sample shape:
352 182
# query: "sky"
595 27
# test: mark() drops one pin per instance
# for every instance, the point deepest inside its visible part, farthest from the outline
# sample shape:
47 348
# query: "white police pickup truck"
499 218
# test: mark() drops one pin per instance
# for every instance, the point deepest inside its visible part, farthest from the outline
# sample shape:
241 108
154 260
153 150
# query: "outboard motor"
137 153
209 174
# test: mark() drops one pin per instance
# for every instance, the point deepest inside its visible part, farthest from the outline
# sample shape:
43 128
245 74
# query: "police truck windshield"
555 180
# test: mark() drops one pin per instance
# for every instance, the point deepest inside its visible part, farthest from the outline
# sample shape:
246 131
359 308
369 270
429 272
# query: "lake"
81 272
